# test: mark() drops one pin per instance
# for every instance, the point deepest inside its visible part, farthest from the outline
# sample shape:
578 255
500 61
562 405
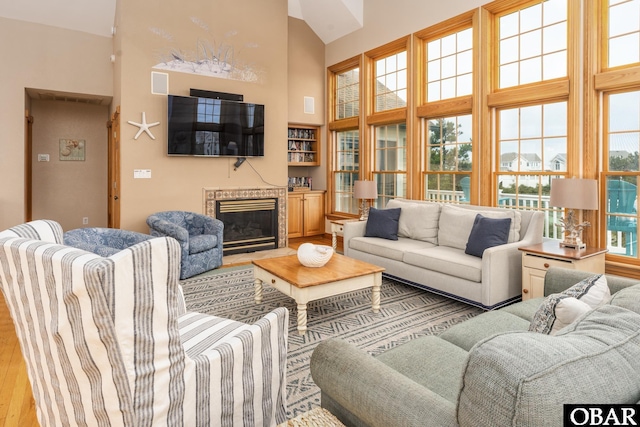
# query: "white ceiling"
329 19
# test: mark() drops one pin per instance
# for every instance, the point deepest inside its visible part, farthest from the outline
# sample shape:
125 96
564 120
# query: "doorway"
68 152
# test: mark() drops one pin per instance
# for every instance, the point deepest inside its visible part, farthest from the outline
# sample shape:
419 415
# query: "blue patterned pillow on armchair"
202 243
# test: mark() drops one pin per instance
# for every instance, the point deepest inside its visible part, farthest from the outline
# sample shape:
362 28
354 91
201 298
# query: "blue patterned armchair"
200 239
103 241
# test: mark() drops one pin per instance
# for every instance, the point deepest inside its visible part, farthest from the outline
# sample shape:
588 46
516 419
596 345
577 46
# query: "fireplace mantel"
213 194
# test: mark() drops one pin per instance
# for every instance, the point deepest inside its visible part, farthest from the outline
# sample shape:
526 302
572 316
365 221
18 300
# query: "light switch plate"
43 157
142 173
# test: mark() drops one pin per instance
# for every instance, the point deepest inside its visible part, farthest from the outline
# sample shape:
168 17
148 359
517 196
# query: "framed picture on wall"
72 149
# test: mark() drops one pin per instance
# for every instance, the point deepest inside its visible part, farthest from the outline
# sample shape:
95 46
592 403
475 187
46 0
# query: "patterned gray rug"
406 313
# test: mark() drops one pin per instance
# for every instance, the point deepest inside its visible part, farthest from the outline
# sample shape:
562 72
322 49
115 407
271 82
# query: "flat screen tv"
214 127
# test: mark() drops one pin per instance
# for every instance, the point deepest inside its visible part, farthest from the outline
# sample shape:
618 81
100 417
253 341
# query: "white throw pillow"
560 310
456 223
567 311
418 220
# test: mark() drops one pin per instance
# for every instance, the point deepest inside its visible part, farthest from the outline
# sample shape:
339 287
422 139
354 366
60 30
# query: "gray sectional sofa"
490 370
430 251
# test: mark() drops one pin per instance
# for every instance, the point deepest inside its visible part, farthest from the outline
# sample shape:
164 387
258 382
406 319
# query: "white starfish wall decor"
144 126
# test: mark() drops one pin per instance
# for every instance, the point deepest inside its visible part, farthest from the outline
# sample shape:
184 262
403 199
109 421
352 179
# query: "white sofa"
430 251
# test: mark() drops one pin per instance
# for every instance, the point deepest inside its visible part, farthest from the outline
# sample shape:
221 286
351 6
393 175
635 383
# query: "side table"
337 226
536 260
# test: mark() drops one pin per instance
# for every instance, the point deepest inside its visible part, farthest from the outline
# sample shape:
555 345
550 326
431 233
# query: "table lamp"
364 190
574 193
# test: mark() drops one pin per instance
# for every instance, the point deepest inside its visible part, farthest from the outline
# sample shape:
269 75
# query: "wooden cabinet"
303 145
305 212
537 259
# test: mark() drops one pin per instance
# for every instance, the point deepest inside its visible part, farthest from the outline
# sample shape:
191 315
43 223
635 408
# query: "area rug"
405 313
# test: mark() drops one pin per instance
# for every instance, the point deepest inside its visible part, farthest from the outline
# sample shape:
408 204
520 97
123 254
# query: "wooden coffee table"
341 274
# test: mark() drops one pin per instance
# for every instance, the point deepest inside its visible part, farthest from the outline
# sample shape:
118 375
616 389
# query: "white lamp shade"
574 193
365 190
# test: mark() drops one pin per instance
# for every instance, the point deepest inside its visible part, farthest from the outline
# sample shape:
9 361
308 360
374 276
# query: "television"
209 127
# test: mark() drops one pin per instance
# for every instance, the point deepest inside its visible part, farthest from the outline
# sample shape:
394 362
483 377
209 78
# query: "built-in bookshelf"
303 145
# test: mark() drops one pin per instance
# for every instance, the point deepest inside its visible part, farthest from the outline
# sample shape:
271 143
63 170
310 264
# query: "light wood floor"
17 407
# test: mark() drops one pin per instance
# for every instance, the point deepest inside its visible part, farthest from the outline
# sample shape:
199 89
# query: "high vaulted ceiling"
93 16
329 19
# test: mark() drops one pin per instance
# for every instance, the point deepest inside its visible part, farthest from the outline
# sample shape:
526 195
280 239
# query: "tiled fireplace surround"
212 195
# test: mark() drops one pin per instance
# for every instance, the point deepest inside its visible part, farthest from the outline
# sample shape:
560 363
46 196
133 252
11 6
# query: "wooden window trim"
447 107
534 93
591 150
391 48
502 7
387 117
616 79
345 124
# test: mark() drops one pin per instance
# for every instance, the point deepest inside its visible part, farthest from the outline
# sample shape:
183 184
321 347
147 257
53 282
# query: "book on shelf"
302 133
300 146
299 183
301 157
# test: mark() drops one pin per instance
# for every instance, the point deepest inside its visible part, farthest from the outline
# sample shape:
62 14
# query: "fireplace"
248 213
249 224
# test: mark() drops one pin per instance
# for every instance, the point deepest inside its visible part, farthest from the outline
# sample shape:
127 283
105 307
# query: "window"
346 170
618 84
347 98
530 139
450 66
447 172
623 32
447 150
344 93
391 82
532 107
386 126
510 96
390 162
621 172
532 42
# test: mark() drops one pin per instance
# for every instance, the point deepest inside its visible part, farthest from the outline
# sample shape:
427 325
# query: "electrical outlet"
85 220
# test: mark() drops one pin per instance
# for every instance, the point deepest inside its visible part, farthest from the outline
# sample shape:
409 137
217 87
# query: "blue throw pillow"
487 233
383 223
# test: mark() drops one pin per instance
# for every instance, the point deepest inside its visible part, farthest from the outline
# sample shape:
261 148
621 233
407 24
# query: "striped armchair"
108 343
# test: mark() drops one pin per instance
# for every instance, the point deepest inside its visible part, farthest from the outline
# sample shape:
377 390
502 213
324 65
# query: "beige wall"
43 57
307 76
258 33
67 191
383 24
60 60
306 73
